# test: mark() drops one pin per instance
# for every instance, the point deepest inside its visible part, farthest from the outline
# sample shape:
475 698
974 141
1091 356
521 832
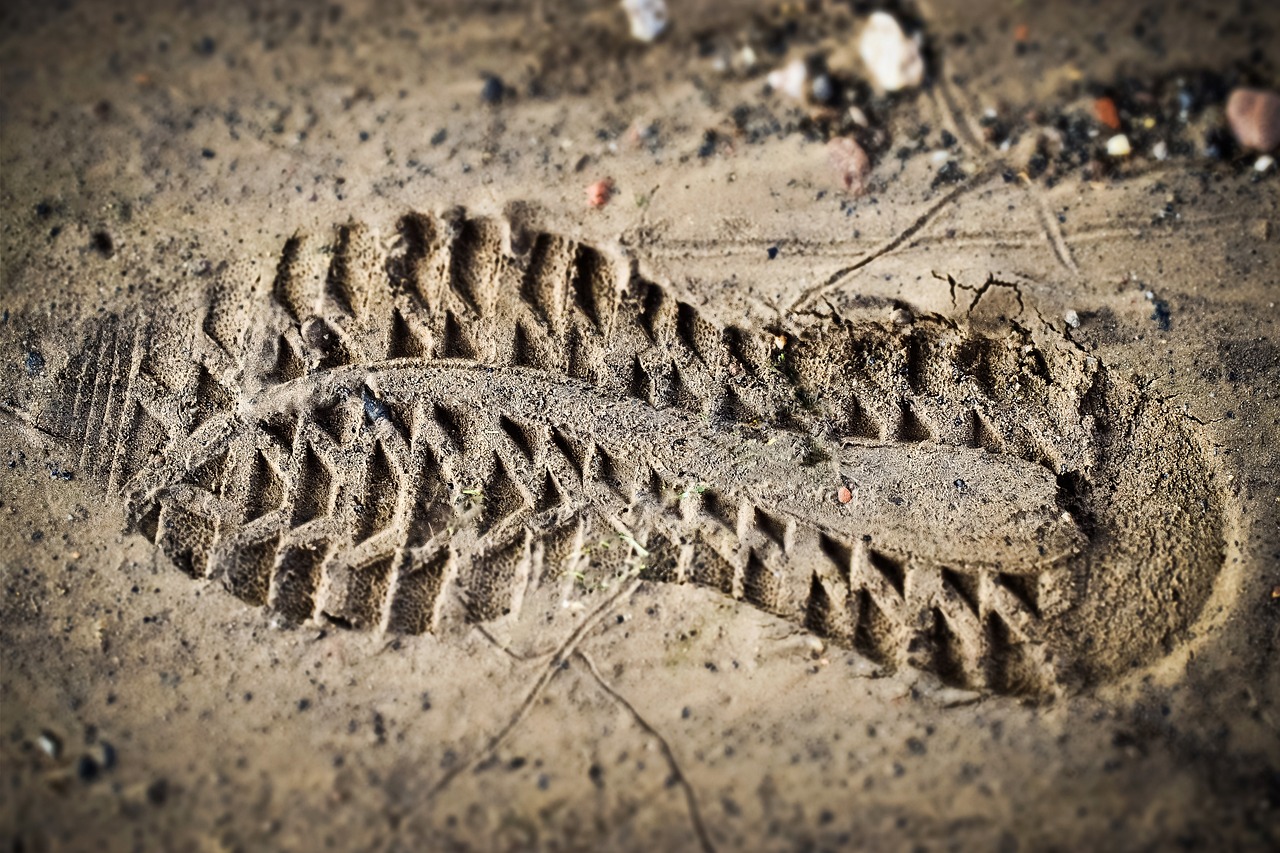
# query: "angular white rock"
790 79
648 18
892 58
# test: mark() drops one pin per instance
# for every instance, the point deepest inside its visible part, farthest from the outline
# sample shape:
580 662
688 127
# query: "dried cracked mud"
368 489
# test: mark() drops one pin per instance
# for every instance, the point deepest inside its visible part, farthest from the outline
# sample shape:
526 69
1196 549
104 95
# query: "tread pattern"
375 436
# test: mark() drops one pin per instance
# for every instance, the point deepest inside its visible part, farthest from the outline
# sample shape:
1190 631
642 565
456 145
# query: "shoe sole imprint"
374 434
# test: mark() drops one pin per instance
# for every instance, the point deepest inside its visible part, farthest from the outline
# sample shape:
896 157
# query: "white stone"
892 58
1118 146
648 18
1263 163
1072 318
790 79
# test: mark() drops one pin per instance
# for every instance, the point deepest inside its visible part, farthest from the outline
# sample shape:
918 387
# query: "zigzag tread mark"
428 419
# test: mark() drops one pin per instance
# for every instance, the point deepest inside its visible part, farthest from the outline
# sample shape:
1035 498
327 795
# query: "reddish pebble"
599 193
851 163
1254 116
844 495
1105 110
1021 33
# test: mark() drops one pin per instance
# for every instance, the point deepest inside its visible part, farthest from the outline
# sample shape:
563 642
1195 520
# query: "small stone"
34 362
1264 163
822 90
790 79
599 193
1160 150
1118 146
492 90
1072 318
901 317
648 18
892 58
844 495
1105 110
851 163
87 770
158 792
1254 118
50 744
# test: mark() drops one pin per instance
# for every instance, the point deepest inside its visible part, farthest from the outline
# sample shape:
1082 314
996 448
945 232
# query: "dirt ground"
465 426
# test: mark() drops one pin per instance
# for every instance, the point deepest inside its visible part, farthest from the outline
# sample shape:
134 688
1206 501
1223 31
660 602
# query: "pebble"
851 163
901 317
892 57
1105 110
50 744
1072 318
648 18
599 193
1118 146
1264 163
492 90
844 495
790 79
1254 118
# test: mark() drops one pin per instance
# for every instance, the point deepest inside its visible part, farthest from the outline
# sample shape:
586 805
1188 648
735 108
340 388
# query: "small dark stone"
207 153
439 136
87 770
1161 314
493 89
34 363
916 746
950 173
596 774
44 210
101 242
364 136
158 792
206 46
304 704
708 146
948 139
773 252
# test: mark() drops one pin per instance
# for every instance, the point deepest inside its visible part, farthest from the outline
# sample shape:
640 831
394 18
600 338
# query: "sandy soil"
367 487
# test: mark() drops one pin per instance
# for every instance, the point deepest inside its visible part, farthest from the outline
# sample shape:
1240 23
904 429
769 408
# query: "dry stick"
840 276
552 667
525 657
694 814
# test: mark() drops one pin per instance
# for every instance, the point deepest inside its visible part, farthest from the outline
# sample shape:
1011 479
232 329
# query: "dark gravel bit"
493 89
950 173
206 46
1161 314
207 153
34 363
101 242
439 136
87 770
158 792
